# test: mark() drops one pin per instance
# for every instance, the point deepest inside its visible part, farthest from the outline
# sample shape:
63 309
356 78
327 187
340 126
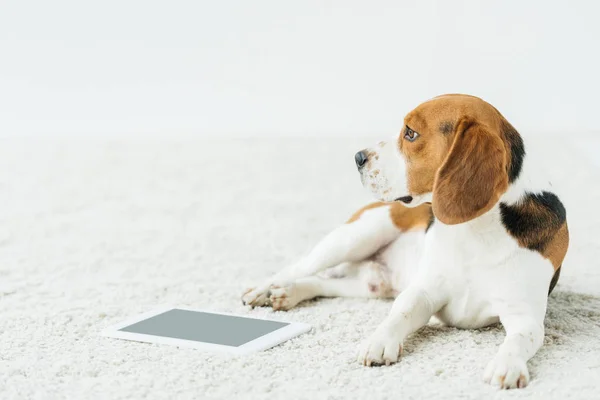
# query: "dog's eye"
410 135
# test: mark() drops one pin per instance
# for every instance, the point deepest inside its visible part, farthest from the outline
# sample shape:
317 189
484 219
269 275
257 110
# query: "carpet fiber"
92 233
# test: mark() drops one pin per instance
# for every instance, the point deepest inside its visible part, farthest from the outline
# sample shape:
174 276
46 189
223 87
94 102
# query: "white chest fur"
477 265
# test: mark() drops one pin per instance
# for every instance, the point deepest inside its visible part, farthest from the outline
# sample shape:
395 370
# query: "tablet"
206 330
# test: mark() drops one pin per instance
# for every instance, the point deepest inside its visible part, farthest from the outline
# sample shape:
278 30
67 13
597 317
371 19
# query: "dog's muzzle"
361 159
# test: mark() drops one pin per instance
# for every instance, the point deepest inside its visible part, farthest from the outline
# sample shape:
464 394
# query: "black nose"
361 159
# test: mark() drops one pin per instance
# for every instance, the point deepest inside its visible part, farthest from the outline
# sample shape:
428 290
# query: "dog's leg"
520 295
354 241
369 280
411 310
524 336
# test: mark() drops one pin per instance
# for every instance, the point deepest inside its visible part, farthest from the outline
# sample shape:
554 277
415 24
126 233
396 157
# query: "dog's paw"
257 297
507 372
383 347
284 298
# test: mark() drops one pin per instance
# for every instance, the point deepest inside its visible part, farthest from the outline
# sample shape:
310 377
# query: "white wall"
281 67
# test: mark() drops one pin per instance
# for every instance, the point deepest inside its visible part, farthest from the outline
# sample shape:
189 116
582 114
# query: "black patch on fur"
537 228
534 221
517 150
446 127
554 279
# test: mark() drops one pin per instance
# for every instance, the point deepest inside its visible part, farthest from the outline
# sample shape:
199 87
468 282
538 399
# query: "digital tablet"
206 330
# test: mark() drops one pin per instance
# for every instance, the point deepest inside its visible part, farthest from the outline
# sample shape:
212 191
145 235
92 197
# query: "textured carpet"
92 233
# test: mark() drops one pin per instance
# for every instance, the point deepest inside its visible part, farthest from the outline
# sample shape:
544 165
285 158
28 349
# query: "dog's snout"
361 159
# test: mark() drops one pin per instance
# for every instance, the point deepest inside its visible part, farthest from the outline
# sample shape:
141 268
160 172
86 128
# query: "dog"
464 230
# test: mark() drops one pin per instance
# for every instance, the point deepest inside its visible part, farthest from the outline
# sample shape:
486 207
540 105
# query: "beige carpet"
94 232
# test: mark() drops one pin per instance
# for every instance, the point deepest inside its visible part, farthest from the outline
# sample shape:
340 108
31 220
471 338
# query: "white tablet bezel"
261 343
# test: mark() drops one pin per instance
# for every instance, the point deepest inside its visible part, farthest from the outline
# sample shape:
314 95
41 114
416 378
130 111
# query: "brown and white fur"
465 230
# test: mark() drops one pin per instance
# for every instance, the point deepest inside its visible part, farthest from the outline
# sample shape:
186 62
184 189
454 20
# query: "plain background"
302 68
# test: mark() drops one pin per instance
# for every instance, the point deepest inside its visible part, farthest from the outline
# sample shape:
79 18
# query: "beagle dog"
463 230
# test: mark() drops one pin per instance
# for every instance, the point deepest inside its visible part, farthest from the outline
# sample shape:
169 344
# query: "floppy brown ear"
472 177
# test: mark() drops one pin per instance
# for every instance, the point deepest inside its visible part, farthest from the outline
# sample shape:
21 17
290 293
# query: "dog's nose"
361 159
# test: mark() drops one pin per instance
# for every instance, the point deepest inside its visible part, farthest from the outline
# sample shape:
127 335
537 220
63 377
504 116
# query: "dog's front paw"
507 372
257 297
284 298
383 347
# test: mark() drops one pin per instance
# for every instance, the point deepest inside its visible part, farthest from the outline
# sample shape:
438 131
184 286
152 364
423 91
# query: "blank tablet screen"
200 326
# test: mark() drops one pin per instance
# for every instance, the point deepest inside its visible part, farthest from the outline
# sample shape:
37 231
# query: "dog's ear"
472 177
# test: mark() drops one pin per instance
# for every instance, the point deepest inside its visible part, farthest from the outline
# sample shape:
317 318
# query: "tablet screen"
206 327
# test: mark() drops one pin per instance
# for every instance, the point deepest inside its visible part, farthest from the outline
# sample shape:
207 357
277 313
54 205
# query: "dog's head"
456 152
